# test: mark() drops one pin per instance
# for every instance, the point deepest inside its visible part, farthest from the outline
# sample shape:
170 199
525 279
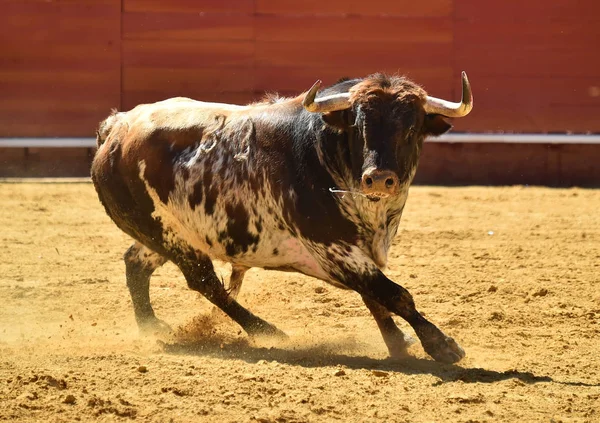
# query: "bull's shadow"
322 355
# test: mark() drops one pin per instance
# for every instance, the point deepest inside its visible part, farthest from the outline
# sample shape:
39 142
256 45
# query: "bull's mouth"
376 196
372 196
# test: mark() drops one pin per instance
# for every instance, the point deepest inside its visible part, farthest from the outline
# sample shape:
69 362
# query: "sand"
512 273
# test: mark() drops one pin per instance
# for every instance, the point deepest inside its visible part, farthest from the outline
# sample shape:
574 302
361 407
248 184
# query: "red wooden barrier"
64 65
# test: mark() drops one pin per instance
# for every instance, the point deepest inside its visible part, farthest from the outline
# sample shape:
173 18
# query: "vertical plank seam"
254 52
121 62
454 52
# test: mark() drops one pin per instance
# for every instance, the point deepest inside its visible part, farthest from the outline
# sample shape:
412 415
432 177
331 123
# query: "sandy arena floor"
513 274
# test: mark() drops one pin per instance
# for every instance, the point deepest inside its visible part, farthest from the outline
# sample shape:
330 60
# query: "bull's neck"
376 222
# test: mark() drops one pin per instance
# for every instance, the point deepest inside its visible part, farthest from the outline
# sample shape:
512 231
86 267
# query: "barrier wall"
64 63
560 165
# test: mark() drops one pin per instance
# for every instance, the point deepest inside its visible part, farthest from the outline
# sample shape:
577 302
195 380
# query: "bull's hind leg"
200 275
140 263
396 341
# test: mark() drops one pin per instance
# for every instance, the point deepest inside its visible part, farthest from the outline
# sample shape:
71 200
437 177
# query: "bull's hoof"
445 350
154 327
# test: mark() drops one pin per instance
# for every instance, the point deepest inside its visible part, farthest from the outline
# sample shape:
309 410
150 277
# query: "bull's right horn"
450 109
330 103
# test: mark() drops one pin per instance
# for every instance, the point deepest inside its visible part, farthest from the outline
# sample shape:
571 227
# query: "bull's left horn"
330 103
450 109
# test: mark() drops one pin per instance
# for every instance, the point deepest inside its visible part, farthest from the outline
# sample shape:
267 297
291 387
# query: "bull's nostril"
369 181
389 182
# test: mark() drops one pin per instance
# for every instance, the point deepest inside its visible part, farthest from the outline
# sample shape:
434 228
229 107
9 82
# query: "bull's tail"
106 127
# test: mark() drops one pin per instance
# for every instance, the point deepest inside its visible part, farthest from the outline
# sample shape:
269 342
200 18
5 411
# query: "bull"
314 184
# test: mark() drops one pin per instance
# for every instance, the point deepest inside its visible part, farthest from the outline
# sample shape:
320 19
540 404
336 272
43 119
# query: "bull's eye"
389 182
369 181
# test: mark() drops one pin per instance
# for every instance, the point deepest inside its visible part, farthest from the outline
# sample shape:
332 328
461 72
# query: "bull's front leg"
376 288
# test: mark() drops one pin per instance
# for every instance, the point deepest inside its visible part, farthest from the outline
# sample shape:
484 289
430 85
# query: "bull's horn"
450 109
330 103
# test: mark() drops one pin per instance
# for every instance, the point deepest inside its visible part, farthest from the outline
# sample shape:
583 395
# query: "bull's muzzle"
377 184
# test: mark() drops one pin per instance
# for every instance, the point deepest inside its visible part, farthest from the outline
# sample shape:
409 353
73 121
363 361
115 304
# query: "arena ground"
513 274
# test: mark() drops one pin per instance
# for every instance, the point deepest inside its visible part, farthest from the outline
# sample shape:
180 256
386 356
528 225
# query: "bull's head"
386 119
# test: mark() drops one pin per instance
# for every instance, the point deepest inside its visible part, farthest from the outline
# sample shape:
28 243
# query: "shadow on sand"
321 355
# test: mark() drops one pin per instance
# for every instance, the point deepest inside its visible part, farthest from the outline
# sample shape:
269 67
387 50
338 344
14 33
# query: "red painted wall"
64 64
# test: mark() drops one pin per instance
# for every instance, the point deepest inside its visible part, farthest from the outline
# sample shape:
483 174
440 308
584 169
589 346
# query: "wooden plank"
48 107
60 66
12 162
181 81
44 106
37 82
133 98
193 6
527 62
518 104
539 34
485 164
55 102
536 92
527 12
62 3
353 29
50 122
187 54
187 26
54 58
292 81
536 50
45 22
431 8
397 55
530 64
209 71
545 119
45 162
55 162
579 165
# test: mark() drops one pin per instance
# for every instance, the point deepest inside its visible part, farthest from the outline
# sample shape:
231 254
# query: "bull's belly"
291 255
235 234
274 250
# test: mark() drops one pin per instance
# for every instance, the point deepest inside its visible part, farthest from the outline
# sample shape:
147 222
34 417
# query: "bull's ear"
435 125
339 120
